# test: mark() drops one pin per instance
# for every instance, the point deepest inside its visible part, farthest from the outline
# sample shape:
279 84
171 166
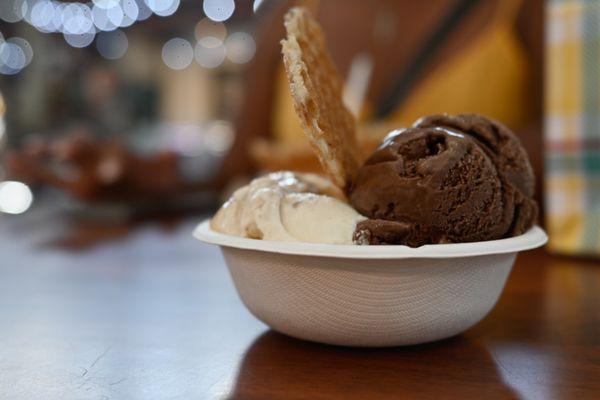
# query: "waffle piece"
317 95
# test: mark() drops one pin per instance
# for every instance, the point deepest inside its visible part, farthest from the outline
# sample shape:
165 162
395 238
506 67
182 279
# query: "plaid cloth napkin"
572 132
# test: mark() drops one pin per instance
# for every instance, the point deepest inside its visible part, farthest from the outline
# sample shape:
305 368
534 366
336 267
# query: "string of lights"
103 21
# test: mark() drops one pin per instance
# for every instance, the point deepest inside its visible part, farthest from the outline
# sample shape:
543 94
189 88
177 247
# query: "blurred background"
121 112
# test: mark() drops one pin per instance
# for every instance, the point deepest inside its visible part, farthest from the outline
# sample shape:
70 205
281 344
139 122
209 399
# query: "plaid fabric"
572 134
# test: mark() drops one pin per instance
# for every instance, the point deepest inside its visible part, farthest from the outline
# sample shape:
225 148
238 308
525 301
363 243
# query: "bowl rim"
533 238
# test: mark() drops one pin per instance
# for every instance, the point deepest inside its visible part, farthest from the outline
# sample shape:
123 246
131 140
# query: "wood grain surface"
154 315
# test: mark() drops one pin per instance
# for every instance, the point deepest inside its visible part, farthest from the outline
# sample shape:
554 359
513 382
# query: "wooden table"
154 315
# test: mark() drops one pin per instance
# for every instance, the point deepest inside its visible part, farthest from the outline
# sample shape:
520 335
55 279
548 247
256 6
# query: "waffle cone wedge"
316 91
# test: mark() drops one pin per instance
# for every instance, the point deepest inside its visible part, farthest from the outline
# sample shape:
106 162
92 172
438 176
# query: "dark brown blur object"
275 156
448 179
96 170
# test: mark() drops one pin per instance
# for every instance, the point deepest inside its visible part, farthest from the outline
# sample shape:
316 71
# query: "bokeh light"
26 9
240 47
102 20
106 4
77 19
115 15
57 17
207 27
219 137
210 52
42 15
256 5
25 47
163 8
13 58
12 11
144 11
177 53
80 40
81 21
218 10
15 197
112 45
130 12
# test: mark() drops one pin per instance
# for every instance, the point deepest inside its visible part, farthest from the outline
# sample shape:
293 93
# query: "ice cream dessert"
446 179
289 207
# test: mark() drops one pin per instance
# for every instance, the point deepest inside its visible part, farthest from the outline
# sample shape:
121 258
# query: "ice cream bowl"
370 296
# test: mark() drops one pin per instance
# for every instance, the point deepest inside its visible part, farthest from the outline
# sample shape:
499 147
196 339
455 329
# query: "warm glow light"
207 27
219 136
240 47
210 52
15 197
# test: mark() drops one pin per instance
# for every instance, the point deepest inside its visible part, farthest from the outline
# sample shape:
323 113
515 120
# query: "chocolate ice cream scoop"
500 144
445 180
510 159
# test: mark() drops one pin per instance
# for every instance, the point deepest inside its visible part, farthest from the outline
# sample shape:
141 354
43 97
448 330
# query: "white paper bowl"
369 295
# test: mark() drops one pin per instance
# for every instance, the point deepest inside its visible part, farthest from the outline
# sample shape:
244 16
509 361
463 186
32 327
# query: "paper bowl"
369 295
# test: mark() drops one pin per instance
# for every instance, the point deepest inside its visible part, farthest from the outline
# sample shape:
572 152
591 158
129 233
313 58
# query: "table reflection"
276 366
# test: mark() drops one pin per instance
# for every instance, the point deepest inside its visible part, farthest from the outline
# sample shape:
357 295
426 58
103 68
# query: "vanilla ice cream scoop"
289 207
